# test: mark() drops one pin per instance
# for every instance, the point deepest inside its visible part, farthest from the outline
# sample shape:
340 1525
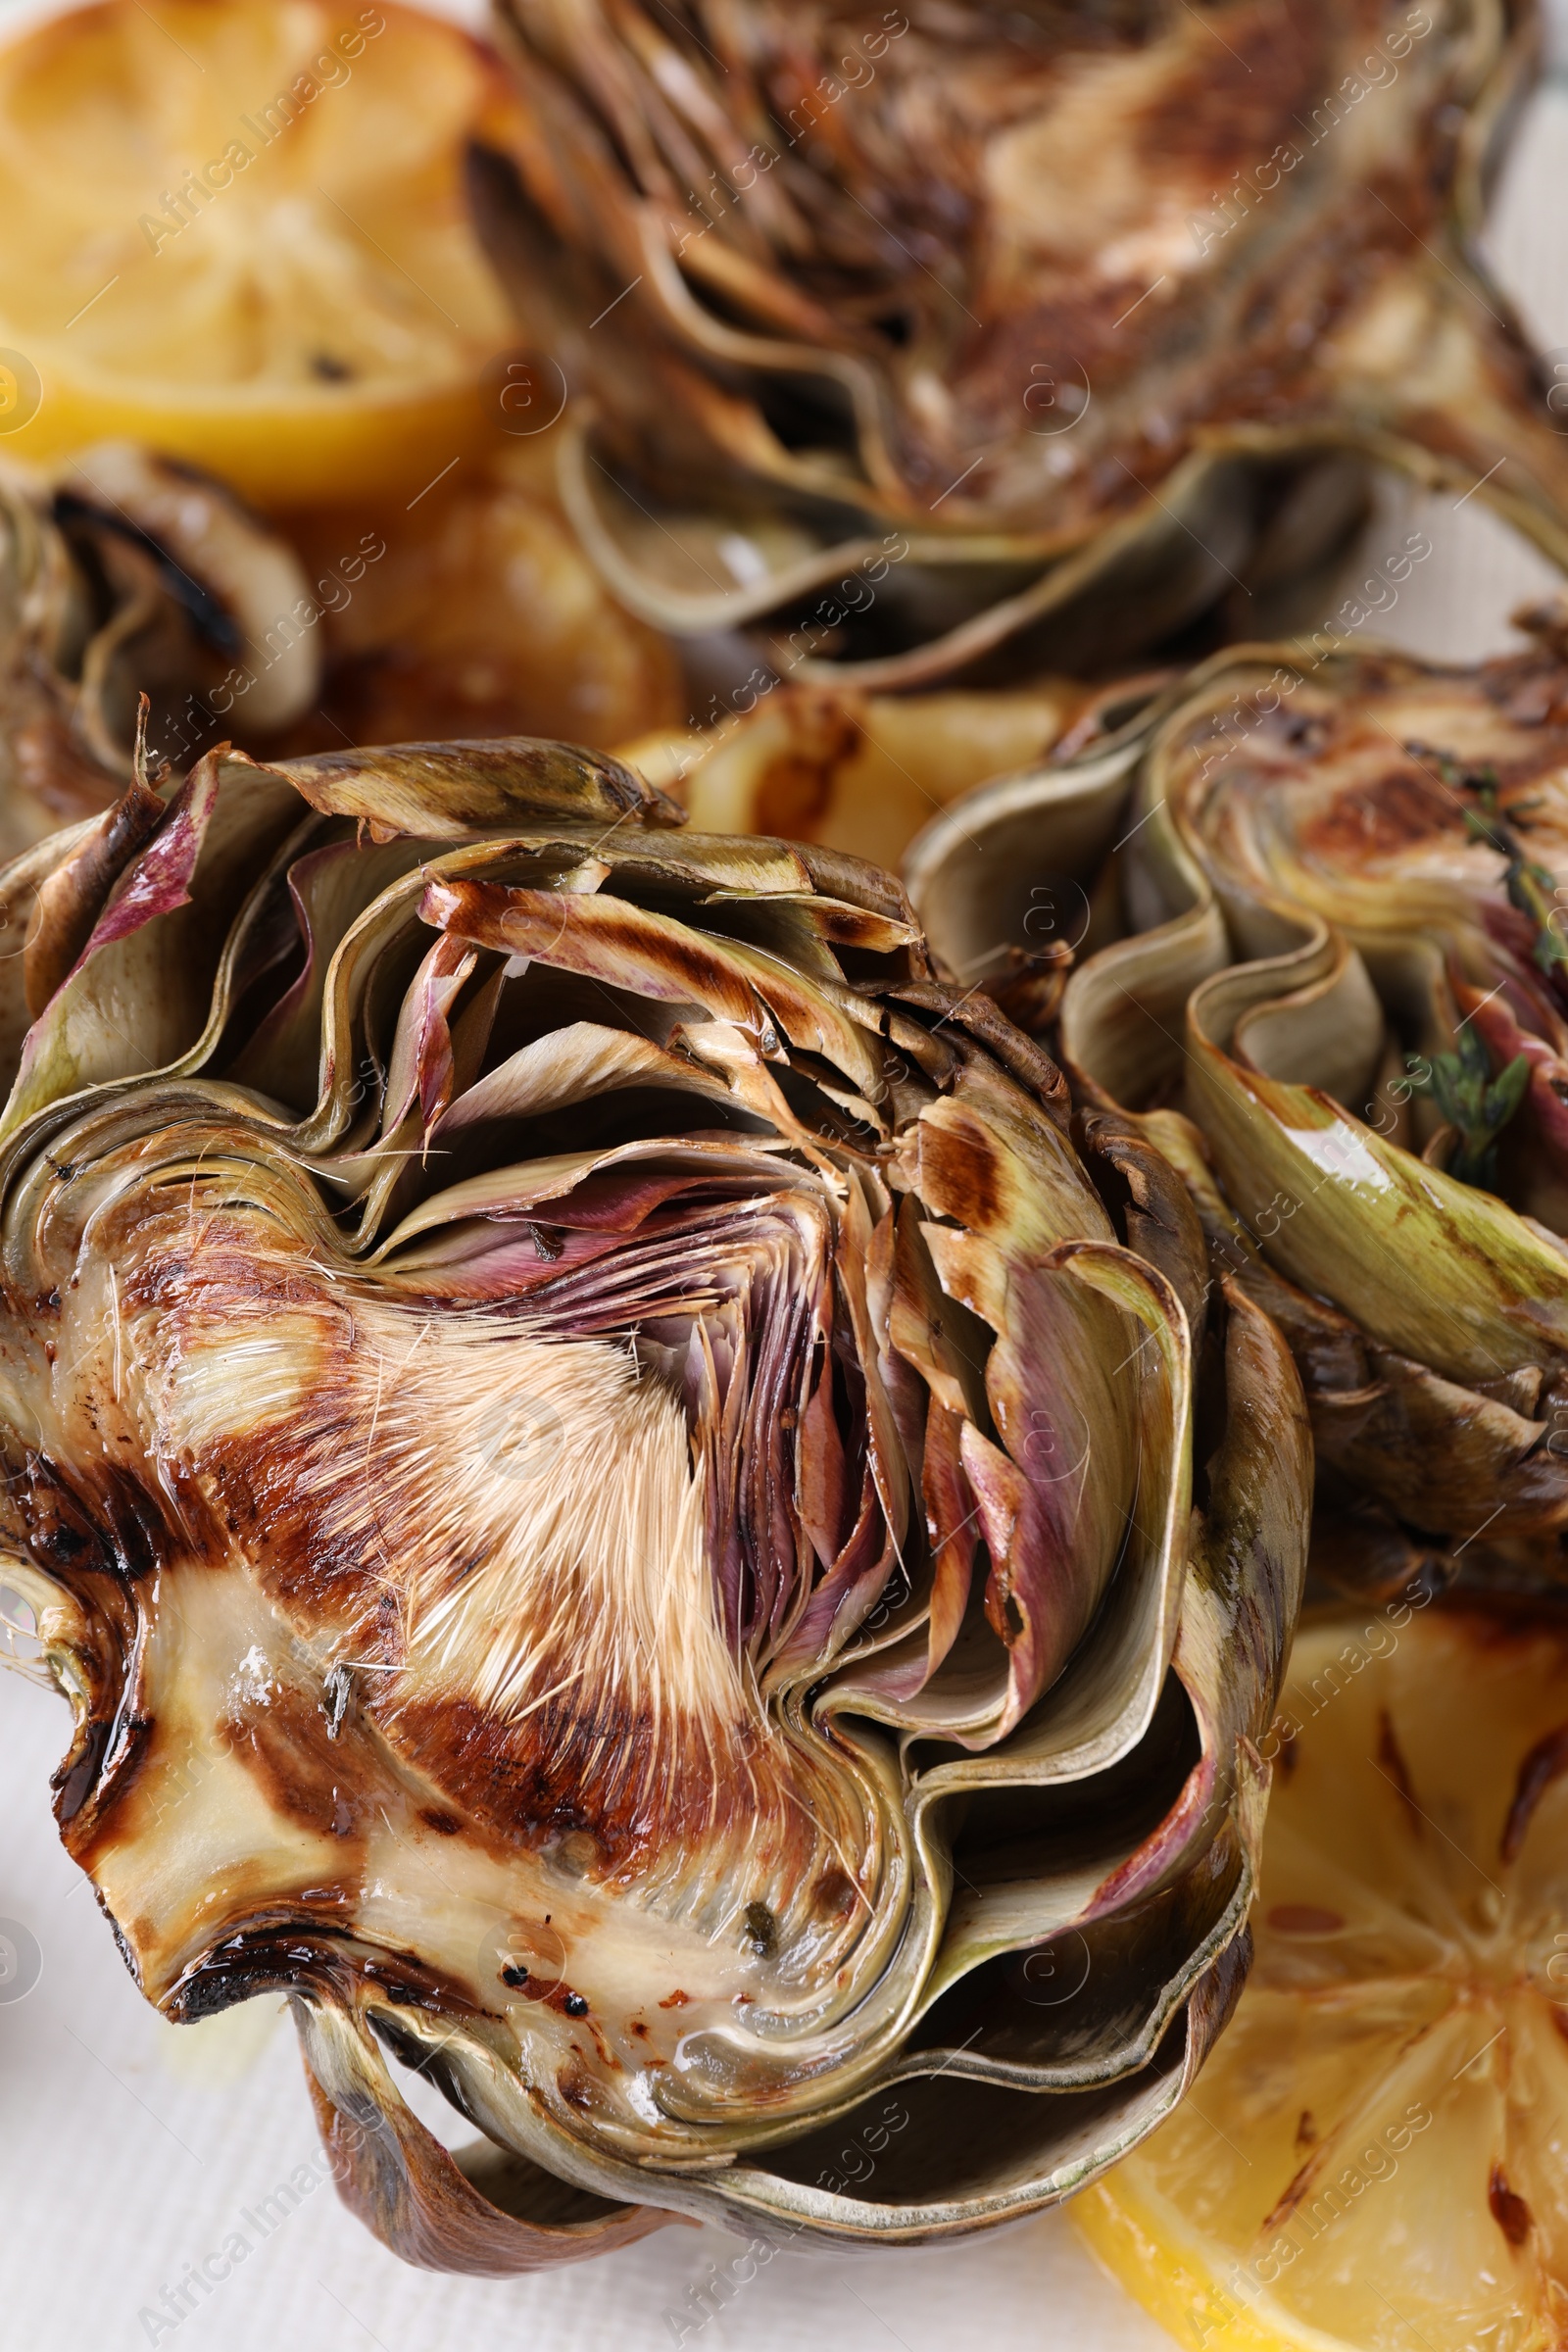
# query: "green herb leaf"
1477 1105
1506 1092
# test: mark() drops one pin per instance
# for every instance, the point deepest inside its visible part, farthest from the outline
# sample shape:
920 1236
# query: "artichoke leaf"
72 898
1439 1454
27 927
1348 1200
487 2219
438 792
1067 2011
610 941
327 889
153 943
1082 1447
1016 2152
571 1067
1247 1560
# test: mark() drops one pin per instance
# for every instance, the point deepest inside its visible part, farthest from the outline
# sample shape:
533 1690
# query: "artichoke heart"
931 337
609 1467
1331 980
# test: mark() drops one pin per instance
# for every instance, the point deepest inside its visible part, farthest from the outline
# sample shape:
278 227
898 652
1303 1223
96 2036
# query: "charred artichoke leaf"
542 1399
489 2212
442 792
122 573
1008 325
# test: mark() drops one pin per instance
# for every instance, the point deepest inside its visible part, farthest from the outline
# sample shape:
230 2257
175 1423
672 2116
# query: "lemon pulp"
236 231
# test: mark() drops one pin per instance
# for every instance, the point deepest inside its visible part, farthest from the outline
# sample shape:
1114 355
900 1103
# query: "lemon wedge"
1376 2156
235 230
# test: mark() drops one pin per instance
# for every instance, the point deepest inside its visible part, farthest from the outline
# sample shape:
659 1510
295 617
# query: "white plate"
132 2152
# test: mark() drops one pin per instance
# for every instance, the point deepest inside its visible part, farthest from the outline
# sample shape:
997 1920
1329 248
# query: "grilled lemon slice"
1377 2153
235 230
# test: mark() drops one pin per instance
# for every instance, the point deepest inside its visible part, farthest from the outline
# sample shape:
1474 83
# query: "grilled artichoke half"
121 573
1328 963
616 1507
1043 307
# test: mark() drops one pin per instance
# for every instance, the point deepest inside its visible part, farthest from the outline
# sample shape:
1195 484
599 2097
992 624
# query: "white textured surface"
130 2150
1456 607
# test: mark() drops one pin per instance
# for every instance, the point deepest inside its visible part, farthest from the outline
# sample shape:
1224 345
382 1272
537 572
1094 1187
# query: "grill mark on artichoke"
287 1951
1393 812
1217 108
279 1742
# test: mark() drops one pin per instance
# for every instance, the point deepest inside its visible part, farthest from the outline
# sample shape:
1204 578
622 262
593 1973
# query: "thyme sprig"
1478 1105
1530 886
